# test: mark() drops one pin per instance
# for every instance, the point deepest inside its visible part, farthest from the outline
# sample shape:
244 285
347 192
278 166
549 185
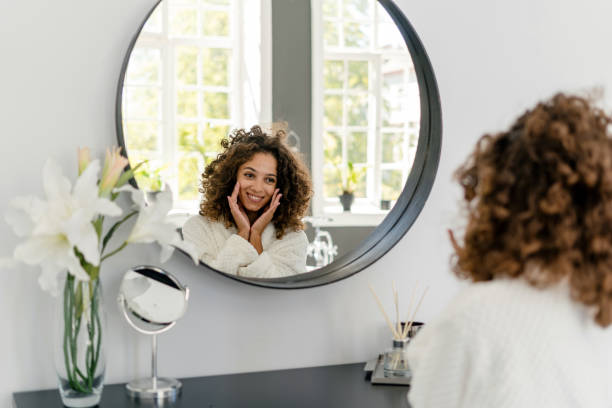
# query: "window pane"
389 38
188 178
187 65
357 110
184 22
357 147
392 147
141 135
333 73
360 187
356 9
393 115
356 35
144 66
330 34
212 138
216 66
413 139
331 182
393 76
330 8
216 23
149 175
358 75
142 103
187 104
332 149
216 105
332 105
154 23
187 136
392 184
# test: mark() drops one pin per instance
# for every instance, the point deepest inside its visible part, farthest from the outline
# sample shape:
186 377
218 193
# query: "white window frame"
328 209
241 75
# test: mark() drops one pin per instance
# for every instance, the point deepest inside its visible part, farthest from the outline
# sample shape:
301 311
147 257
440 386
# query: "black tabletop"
330 386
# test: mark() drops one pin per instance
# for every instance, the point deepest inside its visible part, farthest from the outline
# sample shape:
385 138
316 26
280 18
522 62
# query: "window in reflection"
369 107
184 90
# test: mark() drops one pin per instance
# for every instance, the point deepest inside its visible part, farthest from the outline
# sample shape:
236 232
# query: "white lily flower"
24 213
153 224
55 227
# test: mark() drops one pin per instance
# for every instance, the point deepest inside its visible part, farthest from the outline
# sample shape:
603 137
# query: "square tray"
376 368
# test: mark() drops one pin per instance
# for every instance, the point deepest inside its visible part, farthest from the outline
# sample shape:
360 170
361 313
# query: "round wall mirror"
348 80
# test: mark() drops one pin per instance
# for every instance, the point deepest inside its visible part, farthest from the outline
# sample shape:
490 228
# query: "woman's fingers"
277 203
275 199
236 191
273 206
232 203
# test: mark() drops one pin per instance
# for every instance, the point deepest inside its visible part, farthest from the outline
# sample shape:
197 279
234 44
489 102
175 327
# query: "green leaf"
127 175
98 225
78 299
111 231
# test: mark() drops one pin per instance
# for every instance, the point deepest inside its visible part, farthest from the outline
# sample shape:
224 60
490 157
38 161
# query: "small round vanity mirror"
152 300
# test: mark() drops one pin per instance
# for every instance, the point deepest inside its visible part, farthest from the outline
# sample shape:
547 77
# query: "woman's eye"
248 175
270 180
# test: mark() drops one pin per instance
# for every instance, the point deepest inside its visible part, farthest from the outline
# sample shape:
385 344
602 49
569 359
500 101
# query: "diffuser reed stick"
382 309
398 332
409 324
396 301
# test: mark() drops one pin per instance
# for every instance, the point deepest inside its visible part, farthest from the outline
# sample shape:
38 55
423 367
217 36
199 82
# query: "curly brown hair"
293 179
539 203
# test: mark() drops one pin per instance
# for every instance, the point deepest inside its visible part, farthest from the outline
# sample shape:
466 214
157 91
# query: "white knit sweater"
505 344
223 249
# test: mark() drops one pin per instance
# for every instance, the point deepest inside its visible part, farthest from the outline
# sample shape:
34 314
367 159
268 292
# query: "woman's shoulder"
195 222
295 236
198 223
501 305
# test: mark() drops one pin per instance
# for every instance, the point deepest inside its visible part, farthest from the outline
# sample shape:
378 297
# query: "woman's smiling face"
257 178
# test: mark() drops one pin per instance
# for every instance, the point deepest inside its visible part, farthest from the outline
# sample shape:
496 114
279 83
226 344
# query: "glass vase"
396 359
79 346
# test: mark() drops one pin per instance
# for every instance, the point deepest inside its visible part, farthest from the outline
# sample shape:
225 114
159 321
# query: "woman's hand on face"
240 217
264 219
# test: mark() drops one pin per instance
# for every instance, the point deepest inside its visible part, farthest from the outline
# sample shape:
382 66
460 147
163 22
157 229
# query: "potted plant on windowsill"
349 176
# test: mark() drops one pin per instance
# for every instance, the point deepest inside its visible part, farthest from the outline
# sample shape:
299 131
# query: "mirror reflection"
151 298
255 194
337 73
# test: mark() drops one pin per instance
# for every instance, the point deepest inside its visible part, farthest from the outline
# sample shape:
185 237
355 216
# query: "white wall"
59 65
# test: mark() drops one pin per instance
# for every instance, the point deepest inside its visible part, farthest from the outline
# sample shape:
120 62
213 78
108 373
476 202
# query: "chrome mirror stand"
141 287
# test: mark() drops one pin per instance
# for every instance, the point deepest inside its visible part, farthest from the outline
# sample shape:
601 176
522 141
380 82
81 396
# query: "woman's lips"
254 198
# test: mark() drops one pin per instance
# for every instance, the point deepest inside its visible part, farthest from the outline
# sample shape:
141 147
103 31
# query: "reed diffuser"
395 361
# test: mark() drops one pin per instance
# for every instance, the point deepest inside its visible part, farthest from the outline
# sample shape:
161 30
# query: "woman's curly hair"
539 202
293 181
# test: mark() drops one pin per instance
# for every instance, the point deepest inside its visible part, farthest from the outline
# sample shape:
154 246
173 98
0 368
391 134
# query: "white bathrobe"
506 344
223 249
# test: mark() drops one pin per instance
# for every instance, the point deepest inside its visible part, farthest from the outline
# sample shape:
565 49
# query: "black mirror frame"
410 202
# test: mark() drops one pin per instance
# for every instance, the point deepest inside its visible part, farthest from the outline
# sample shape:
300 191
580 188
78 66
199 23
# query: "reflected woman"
254 195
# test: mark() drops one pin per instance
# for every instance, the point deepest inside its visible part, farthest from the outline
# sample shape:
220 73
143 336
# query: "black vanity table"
330 386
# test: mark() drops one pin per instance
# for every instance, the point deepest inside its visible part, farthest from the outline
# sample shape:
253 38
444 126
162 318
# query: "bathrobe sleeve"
228 252
217 246
284 257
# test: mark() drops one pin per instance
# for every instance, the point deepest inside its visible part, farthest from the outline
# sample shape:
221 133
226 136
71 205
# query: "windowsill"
333 216
361 215
351 219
